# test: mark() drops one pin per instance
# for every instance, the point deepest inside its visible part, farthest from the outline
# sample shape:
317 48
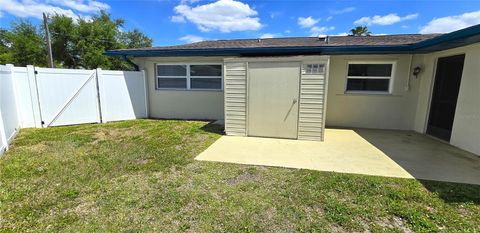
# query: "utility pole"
47 40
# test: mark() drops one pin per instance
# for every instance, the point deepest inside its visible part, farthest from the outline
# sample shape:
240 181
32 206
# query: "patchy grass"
140 176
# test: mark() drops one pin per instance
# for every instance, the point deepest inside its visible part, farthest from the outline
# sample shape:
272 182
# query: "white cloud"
81 5
307 22
191 38
35 8
343 11
384 20
223 15
320 31
270 35
451 23
329 18
287 31
341 34
178 19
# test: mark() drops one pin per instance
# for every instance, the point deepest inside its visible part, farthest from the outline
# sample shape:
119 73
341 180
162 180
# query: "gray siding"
312 97
235 98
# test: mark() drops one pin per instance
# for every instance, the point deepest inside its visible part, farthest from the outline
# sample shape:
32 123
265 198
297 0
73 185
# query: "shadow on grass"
454 192
211 127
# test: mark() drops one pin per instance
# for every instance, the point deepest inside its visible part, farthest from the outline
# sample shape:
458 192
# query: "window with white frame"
370 77
189 76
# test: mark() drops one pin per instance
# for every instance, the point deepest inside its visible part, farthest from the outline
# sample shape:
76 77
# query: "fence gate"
67 97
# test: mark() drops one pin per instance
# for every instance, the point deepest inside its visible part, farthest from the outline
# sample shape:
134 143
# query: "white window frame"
391 78
188 77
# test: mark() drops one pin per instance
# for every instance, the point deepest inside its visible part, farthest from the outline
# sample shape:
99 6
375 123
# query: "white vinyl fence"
9 123
45 97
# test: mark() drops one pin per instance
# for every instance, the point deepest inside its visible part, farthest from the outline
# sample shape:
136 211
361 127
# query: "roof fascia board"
442 42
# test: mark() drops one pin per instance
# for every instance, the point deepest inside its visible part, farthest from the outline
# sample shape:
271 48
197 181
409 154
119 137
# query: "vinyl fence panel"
9 123
26 96
67 97
122 95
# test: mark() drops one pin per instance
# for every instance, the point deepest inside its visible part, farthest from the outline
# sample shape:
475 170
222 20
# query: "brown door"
444 97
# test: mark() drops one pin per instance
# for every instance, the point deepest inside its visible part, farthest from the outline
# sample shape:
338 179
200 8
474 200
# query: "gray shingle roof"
403 39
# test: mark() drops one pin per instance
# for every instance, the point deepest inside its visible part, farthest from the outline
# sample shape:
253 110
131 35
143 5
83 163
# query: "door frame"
432 84
247 94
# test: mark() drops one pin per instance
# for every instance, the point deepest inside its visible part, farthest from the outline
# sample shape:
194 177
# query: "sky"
170 22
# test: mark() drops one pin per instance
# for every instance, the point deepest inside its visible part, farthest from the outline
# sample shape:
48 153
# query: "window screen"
370 70
171 70
197 76
175 83
205 70
206 83
369 77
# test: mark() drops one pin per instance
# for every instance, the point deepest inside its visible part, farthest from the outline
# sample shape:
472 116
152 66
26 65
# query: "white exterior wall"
466 125
181 104
382 111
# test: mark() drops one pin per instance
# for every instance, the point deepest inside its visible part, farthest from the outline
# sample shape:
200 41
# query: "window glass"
180 83
370 70
380 85
314 68
206 83
200 76
171 70
206 70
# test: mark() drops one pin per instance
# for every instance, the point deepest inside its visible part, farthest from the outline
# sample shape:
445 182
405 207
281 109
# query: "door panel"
273 99
67 97
444 96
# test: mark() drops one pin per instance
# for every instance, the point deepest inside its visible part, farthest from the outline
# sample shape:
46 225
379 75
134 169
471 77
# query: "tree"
63 35
136 39
76 43
5 47
24 44
360 31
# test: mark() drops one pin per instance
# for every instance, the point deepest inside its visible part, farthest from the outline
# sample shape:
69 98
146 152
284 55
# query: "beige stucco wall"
466 126
384 111
181 104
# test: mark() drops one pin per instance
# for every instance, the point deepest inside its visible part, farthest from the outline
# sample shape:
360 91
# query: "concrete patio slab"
343 151
389 153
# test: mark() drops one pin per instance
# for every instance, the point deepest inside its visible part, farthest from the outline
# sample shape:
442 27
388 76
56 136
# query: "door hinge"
36 72
43 122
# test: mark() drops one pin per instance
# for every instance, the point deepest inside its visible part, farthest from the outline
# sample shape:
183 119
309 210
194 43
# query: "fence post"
15 97
145 86
3 136
34 97
98 76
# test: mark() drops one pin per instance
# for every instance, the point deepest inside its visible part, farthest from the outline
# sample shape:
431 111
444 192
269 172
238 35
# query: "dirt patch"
86 208
395 223
104 134
38 148
335 229
242 178
314 211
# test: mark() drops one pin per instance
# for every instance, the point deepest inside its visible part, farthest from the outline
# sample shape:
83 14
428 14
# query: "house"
293 87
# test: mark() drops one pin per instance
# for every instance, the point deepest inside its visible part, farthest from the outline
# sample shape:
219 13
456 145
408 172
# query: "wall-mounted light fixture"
417 71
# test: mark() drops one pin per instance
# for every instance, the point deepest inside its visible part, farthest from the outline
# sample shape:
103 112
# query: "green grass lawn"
141 176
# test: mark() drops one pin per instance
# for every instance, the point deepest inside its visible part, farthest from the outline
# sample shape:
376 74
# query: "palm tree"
360 31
